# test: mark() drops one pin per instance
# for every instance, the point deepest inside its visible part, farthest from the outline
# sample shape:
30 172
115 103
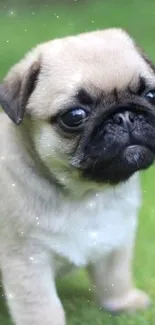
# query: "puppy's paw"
131 302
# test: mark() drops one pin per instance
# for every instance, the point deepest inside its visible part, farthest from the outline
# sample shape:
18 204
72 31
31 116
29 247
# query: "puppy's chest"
83 232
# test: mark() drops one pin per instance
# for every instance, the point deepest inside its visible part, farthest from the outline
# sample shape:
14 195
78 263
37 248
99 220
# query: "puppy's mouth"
120 146
130 160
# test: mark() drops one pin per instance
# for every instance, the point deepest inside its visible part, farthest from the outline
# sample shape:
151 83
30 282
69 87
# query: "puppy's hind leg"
112 279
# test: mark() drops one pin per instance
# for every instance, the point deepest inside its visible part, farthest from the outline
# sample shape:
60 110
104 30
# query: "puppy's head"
88 103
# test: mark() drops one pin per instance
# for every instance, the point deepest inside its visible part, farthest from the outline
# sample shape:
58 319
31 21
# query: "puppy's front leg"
30 290
112 279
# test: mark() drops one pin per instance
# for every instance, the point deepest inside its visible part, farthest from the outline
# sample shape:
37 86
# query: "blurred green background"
23 24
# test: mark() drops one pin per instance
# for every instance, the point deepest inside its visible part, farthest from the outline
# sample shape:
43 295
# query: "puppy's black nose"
124 118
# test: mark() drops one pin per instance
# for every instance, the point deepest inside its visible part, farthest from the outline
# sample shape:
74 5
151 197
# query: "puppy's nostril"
124 118
118 119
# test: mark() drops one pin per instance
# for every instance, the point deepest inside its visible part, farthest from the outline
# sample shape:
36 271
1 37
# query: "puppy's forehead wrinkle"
84 97
96 97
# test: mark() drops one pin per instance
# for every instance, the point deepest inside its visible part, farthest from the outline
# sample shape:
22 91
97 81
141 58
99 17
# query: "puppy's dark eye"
73 119
150 96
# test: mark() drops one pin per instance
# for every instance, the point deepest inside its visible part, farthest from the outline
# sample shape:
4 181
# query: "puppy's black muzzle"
123 115
117 143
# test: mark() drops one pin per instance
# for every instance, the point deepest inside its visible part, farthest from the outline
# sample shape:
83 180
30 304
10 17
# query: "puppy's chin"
130 160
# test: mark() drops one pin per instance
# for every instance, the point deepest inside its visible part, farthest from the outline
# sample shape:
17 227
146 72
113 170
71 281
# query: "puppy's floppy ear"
16 89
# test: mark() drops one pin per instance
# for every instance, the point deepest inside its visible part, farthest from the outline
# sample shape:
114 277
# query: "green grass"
29 26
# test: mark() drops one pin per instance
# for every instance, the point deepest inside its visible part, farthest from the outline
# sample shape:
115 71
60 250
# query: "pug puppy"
78 128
